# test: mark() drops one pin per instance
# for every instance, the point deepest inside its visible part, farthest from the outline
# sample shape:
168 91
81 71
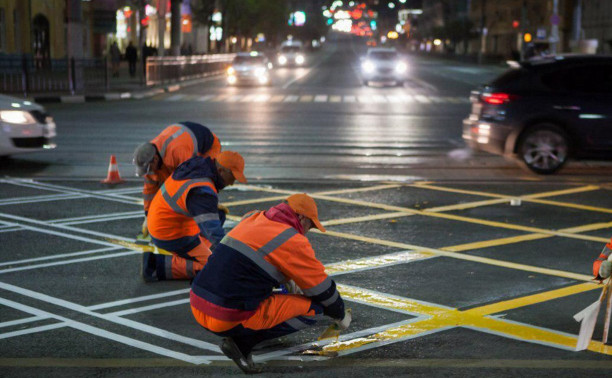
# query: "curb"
116 96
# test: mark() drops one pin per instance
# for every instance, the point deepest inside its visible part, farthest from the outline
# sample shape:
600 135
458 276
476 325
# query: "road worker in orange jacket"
184 217
157 159
602 267
232 296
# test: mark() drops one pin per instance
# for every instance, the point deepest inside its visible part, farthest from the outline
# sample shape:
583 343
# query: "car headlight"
368 66
401 67
231 70
17 117
282 60
260 71
299 59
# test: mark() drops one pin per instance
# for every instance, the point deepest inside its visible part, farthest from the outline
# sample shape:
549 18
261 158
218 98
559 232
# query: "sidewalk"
120 88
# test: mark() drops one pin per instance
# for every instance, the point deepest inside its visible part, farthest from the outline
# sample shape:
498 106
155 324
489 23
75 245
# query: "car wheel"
544 149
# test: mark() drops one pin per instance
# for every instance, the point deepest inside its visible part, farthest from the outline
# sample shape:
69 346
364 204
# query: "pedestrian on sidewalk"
232 296
157 159
131 55
115 57
184 217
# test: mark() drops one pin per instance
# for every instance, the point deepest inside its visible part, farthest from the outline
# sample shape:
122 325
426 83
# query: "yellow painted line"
572 205
460 191
390 302
364 189
555 193
534 198
138 247
442 318
536 334
365 218
494 242
512 226
255 200
288 192
522 238
483 260
349 266
467 205
511 304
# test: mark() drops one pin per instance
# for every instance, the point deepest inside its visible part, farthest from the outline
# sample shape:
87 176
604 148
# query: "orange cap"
233 161
304 204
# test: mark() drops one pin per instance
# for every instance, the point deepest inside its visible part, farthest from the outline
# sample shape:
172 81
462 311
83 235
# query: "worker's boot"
231 350
149 273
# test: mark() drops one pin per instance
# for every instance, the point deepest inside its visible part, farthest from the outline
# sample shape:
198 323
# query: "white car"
24 127
291 53
249 68
384 65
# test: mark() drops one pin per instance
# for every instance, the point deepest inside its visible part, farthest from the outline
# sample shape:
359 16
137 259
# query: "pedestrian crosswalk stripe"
423 99
262 98
247 98
319 98
176 97
205 98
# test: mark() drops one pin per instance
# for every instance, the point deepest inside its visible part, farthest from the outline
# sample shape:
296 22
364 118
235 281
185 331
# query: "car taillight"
497 98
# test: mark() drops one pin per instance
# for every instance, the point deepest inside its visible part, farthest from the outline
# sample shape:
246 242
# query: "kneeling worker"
232 296
157 159
184 217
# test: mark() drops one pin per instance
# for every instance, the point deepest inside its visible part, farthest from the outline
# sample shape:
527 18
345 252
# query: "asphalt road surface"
452 267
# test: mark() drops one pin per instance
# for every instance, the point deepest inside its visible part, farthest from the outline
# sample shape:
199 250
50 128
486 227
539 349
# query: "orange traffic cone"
113 173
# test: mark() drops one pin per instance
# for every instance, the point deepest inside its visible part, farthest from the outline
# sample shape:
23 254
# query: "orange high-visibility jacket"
603 256
253 258
176 144
168 217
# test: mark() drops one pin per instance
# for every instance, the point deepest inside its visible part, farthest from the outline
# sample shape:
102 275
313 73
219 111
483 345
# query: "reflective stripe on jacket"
175 144
253 258
168 217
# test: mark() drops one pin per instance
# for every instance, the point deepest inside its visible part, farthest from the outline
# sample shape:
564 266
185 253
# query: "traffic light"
527 37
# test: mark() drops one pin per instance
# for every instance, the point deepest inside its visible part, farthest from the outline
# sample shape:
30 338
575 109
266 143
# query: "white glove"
293 288
346 321
145 230
605 269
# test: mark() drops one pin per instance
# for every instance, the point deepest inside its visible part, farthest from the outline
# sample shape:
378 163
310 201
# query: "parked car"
291 53
249 68
24 127
543 111
384 65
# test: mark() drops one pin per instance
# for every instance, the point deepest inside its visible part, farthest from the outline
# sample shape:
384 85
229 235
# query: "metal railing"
169 69
27 75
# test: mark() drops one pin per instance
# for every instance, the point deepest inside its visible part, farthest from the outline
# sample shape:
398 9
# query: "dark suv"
544 110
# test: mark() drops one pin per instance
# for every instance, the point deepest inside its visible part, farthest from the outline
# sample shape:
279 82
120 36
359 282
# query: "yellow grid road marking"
441 318
533 299
484 260
365 218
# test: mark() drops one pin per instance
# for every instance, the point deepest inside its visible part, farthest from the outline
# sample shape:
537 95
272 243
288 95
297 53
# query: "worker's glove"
605 269
145 230
223 208
293 288
346 321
